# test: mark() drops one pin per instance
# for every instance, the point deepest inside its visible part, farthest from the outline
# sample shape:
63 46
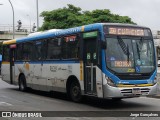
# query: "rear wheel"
22 83
75 92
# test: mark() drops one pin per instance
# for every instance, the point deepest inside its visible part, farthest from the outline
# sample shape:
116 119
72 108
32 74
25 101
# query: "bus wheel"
116 99
22 83
75 91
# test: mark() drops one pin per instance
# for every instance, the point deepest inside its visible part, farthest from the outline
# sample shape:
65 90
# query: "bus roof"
49 34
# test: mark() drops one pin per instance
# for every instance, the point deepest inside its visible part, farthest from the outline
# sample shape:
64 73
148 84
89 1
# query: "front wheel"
116 99
75 92
22 83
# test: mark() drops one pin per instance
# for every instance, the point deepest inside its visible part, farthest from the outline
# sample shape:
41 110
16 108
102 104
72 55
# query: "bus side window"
19 51
6 53
28 51
70 47
44 49
54 48
37 50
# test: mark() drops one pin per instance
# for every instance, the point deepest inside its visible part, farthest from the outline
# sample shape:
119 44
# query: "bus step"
91 94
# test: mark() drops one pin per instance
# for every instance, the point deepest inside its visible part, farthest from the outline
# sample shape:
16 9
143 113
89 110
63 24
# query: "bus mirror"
103 45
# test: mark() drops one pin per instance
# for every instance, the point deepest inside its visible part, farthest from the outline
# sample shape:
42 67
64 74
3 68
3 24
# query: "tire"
116 99
75 92
22 83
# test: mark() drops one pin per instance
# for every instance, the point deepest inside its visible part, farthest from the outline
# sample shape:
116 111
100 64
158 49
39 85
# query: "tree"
72 16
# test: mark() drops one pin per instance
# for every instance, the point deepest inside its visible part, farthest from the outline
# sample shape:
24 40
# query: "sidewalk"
158 89
158 92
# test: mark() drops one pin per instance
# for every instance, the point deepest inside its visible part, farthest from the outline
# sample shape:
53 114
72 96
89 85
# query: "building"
156 36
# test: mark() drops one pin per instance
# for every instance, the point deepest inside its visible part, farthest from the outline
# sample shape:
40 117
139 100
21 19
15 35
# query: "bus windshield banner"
126 31
130 31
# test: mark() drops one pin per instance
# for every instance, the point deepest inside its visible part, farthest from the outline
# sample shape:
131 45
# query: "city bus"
103 60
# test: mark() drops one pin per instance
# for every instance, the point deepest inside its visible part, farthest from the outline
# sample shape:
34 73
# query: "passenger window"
27 51
6 53
38 50
54 48
70 47
19 51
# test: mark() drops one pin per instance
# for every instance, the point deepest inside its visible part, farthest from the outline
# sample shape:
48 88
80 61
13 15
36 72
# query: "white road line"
5 104
10 98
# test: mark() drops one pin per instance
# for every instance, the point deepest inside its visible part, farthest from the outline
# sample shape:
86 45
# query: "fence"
9 28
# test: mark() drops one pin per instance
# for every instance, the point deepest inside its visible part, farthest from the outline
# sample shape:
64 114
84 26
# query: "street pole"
29 22
37 15
13 18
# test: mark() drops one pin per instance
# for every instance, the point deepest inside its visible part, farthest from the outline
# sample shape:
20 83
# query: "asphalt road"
11 99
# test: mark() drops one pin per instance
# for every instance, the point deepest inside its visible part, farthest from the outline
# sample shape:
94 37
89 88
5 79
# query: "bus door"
11 60
90 62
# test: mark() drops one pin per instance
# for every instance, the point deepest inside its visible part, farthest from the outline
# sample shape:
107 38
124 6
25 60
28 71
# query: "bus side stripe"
9 42
5 62
81 70
48 62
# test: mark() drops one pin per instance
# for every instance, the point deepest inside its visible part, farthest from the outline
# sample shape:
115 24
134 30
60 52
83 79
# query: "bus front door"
12 51
90 62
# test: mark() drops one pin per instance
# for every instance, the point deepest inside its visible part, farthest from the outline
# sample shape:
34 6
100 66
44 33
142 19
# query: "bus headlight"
110 82
155 80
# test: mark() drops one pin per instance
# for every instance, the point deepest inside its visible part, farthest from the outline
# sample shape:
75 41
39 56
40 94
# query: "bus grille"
145 90
128 92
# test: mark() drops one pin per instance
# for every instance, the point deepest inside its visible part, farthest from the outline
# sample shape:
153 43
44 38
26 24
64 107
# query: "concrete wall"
7 35
156 36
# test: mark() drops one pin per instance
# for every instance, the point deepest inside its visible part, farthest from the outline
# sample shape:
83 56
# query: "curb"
154 96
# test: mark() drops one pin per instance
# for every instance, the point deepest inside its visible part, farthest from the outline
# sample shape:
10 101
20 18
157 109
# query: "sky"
142 12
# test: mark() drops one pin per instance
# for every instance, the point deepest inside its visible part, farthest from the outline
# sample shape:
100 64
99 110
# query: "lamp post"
37 15
29 23
13 18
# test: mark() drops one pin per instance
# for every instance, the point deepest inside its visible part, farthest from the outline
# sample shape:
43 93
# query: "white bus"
104 60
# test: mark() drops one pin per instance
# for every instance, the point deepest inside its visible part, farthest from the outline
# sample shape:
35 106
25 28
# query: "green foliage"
72 16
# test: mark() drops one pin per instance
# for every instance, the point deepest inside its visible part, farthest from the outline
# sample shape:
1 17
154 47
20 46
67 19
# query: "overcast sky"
142 12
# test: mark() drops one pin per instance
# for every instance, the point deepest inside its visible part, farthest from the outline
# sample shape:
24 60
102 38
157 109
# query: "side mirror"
103 45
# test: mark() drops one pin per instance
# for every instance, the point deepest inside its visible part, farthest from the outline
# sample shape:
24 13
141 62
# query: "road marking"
5 104
10 98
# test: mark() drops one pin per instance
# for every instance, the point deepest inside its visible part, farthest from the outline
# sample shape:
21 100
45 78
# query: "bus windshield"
130 54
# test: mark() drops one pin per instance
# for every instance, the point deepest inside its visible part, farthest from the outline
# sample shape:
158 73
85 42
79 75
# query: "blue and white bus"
104 60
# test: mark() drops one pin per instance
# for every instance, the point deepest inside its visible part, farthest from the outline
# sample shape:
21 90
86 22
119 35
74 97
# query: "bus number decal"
122 63
53 68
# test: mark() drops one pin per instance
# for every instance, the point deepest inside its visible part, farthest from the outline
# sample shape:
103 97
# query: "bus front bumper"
126 92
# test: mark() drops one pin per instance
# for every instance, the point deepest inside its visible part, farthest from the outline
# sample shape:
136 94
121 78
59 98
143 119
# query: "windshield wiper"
128 53
123 46
138 51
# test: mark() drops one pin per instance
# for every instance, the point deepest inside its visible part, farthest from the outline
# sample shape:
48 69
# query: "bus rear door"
8 63
12 68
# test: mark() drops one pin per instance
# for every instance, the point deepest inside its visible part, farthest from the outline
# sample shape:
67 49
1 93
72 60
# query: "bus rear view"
129 63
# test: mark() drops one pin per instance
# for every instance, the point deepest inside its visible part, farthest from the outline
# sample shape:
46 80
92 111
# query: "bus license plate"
136 91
